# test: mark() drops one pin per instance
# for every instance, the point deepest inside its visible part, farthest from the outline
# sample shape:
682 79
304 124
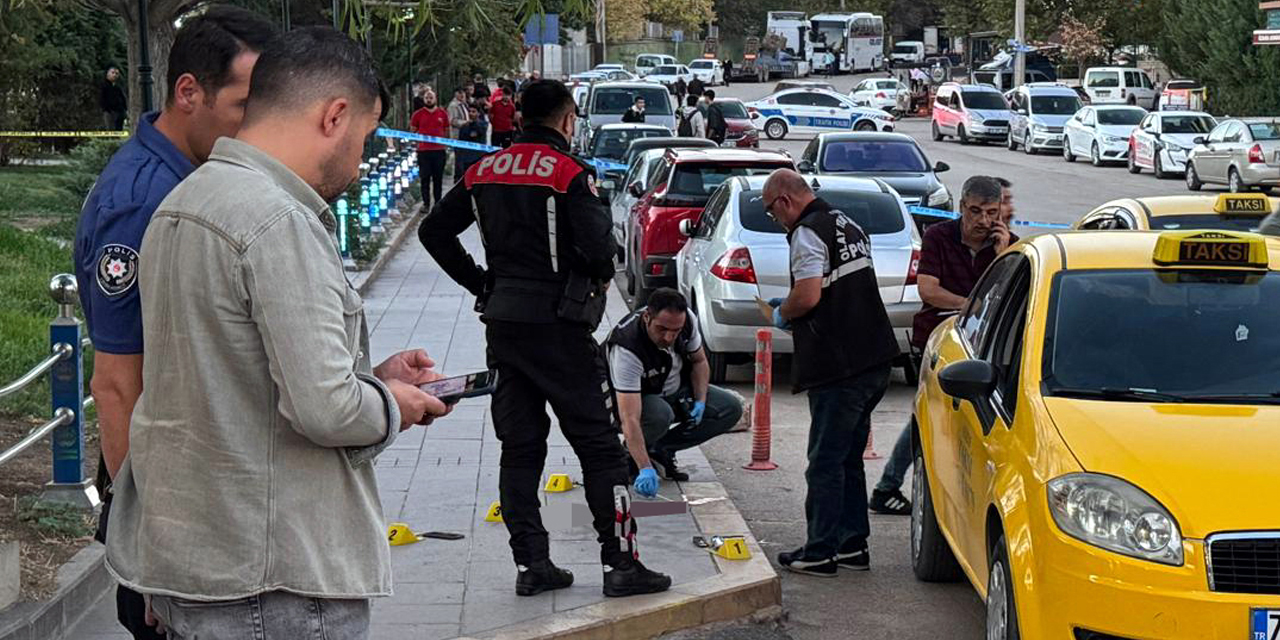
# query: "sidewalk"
444 477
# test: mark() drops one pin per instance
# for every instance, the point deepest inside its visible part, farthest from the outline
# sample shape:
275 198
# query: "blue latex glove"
647 482
779 321
699 408
775 302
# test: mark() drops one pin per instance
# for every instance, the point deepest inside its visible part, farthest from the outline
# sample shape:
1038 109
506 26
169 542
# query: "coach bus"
854 40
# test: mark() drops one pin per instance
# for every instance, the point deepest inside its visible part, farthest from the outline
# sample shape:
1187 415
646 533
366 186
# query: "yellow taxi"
1230 211
1097 437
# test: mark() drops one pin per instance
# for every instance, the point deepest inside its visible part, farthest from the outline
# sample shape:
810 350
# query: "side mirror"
686 228
804 166
1200 140
971 380
634 189
941 167
844 106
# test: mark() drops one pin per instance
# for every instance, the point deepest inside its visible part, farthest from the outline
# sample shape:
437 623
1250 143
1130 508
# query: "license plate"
997 130
1103 93
1264 624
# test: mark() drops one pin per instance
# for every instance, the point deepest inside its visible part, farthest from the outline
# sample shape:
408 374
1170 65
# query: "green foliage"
57 519
1212 42
84 164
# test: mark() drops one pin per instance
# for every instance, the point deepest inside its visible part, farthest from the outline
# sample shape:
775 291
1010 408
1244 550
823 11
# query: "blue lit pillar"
66 382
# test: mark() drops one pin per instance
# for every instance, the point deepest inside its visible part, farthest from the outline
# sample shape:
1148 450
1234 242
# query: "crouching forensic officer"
549 246
844 345
660 376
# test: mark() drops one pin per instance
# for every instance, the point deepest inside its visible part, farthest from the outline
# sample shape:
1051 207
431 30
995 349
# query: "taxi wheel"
1066 150
1157 170
937 135
931 556
775 129
1002 615
1193 180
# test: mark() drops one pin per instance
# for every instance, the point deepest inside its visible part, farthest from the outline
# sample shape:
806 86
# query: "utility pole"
144 59
1019 36
600 30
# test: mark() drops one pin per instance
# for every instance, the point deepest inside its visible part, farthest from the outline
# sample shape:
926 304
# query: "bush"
85 162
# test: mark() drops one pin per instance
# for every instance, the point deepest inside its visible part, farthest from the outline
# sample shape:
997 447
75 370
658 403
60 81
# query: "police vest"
632 335
848 331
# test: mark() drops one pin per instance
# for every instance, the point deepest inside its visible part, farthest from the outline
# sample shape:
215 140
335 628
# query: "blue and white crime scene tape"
600 165
951 215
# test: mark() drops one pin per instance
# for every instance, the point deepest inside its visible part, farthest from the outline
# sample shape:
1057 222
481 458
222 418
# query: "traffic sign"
677 35
1266 37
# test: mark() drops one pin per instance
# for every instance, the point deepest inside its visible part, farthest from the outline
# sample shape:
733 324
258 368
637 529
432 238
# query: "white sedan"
709 71
880 93
1101 133
814 111
737 253
1164 138
667 74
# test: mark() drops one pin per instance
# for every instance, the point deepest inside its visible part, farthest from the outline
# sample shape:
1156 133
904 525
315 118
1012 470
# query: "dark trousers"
895 470
432 164
113 120
658 413
560 364
502 138
840 421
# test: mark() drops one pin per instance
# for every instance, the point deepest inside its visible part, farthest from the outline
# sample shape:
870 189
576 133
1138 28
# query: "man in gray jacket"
247 505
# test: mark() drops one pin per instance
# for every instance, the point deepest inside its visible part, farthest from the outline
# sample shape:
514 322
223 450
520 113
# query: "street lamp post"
1020 37
144 58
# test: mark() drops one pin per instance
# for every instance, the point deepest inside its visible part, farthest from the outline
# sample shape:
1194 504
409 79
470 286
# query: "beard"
336 175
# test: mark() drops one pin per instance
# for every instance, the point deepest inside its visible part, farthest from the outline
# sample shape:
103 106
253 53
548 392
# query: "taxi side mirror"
971 380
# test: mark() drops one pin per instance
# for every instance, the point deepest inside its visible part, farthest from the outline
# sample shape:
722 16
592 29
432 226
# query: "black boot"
666 464
540 576
628 577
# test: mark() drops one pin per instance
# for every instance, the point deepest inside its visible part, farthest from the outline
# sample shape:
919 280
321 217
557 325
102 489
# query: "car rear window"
1104 79
733 110
877 213
612 144
1265 130
873 156
1063 105
1121 116
616 100
701 64
1187 124
665 70
696 180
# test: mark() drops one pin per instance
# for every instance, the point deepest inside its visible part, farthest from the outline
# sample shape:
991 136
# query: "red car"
682 186
740 131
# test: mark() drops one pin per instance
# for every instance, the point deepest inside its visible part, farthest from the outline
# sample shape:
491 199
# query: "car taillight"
1255 155
881 96
913 267
735 266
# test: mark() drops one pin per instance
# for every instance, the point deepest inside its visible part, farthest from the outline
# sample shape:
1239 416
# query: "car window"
824 100
1088 117
811 151
1148 123
711 213
1146 81
1062 105
1219 133
616 100
1123 116
733 110
879 156
1265 130
890 85
697 180
955 101
1102 79
612 144
798 98
1004 349
1131 79
634 173
1232 133
975 318
984 100
1108 220
1186 124
875 212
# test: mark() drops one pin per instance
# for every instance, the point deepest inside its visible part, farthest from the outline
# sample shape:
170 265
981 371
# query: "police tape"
951 215
600 165
64 134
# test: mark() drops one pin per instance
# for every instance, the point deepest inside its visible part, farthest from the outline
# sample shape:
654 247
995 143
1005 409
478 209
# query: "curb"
363 280
82 581
742 588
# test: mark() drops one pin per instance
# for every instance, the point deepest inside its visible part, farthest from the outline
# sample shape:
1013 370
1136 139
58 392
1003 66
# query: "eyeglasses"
768 206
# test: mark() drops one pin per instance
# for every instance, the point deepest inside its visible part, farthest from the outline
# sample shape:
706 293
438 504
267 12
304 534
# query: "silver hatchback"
737 253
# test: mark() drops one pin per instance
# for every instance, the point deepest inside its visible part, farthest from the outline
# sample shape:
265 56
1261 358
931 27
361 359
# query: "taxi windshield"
1188 124
1126 334
1206 221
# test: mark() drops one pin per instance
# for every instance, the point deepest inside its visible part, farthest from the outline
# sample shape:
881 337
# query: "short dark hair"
207 44
710 94
980 189
1004 182
545 101
666 299
638 99
309 64
691 100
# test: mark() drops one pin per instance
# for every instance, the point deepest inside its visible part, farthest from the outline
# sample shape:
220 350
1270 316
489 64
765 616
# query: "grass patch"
57 519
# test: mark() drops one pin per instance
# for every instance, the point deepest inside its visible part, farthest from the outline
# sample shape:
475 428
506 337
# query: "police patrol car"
814 111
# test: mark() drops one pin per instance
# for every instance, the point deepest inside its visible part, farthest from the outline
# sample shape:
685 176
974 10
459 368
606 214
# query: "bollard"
66 381
760 412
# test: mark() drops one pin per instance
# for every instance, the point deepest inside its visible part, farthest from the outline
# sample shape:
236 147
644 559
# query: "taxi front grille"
1245 563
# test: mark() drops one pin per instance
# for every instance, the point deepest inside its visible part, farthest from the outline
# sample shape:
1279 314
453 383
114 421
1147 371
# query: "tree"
1212 42
685 14
1082 41
624 19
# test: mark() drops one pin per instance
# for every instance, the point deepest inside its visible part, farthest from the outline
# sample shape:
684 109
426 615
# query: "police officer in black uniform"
844 347
549 247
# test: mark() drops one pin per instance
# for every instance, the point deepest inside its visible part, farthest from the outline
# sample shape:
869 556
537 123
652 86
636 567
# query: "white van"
908 51
1120 85
647 62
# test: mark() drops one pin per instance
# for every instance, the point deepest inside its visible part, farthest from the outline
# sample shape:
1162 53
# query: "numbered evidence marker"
400 534
558 483
734 548
495 512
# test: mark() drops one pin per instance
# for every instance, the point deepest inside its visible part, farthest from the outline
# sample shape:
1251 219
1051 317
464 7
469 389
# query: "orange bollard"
870 453
761 438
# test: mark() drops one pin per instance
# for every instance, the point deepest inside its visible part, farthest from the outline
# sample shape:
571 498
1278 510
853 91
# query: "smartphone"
451 390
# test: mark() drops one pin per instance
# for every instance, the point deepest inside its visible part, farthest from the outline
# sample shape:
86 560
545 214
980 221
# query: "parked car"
710 71
737 253
1163 139
608 66
587 77
678 191
799 83
610 143
1101 133
668 74
1241 153
619 75
880 93
970 112
1224 212
607 102
1182 95
740 130
907 51
815 111
1120 85
1040 115
640 145
643 155
893 158
647 62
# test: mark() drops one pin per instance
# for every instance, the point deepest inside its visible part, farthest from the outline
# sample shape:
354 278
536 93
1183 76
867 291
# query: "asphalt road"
886 602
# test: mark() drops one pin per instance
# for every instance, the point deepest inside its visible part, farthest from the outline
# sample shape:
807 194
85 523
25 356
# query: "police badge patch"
591 184
117 269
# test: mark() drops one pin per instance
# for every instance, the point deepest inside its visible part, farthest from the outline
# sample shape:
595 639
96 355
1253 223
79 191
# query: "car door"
693 259
799 109
1144 140
1072 131
1212 164
831 113
1088 128
1020 116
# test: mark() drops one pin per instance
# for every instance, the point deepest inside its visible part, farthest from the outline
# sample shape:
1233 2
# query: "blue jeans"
836 504
895 470
267 616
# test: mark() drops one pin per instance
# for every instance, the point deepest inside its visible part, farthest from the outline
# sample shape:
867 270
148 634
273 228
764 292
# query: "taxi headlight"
939 197
1112 514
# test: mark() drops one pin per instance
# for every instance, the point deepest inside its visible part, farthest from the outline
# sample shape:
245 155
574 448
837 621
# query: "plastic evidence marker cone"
558 483
495 512
399 533
734 548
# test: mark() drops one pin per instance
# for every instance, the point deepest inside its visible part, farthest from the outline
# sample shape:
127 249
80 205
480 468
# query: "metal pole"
66 382
601 28
144 58
336 17
1020 36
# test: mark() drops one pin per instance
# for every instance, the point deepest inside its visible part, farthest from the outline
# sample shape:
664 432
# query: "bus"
793 26
855 40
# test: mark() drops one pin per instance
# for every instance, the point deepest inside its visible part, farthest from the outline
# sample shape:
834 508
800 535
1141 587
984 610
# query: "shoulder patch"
591 184
117 269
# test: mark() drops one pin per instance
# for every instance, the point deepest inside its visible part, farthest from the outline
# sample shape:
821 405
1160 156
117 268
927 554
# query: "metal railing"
65 366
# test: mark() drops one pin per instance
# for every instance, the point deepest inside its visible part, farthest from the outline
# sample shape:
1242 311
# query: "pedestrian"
457 112
692 123
844 347
480 88
432 121
696 87
679 89
636 112
549 247
1006 201
661 381
728 71
252 443
418 89
717 127
473 131
502 117
953 254
210 63
112 101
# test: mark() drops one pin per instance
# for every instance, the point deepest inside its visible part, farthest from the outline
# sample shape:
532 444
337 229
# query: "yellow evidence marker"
558 483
